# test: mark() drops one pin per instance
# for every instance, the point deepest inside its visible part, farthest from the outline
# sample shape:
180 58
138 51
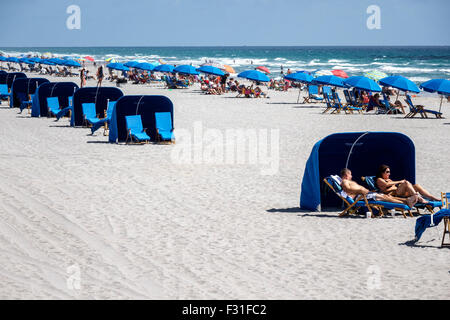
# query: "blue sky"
223 23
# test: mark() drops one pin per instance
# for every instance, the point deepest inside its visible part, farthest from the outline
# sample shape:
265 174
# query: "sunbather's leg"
425 193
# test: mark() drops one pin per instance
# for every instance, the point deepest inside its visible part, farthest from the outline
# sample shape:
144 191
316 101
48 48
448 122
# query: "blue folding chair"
313 92
26 102
90 115
135 129
419 110
164 127
106 120
53 105
66 110
4 92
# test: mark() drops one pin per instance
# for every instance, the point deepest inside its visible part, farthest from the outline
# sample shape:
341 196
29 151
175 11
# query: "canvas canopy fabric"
363 153
62 90
22 87
146 106
97 95
11 77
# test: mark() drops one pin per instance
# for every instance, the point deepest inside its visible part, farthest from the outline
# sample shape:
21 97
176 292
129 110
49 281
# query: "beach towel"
424 222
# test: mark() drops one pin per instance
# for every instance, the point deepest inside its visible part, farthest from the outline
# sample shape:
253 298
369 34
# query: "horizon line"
239 46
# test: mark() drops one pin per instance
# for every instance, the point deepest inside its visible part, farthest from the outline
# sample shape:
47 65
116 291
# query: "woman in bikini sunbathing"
401 188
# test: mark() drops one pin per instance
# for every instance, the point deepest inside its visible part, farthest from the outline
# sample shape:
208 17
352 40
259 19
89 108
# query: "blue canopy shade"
2 58
47 62
131 64
330 81
10 77
254 75
186 69
299 77
72 63
399 82
363 83
145 66
164 68
25 60
363 153
441 86
117 66
12 59
35 59
97 95
62 90
211 70
146 106
22 87
57 61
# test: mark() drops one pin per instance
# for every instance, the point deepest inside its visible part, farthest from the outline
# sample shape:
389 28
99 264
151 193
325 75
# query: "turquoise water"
417 63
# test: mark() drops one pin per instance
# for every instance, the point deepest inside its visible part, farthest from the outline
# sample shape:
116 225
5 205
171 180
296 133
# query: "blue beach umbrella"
36 59
13 59
2 58
57 61
254 75
299 77
211 70
72 63
145 66
25 60
186 69
117 66
164 68
47 62
330 81
363 83
400 83
441 86
132 64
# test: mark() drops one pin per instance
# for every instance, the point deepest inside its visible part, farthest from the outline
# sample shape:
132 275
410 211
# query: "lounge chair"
65 110
419 110
26 103
105 121
164 128
348 108
135 129
4 93
90 115
445 203
313 92
330 104
353 205
430 206
53 105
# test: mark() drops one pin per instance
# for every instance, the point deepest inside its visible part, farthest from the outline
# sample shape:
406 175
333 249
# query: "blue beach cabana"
362 153
22 88
145 106
12 76
62 90
97 95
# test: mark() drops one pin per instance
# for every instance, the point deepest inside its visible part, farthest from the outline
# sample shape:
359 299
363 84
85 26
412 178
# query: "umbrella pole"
299 92
442 99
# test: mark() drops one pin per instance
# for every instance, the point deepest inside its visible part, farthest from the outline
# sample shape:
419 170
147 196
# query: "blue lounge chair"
330 104
90 115
4 93
344 106
53 105
26 103
135 129
354 205
313 92
106 120
419 110
430 206
164 127
66 110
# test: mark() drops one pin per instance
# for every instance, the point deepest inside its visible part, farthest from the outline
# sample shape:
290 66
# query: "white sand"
136 225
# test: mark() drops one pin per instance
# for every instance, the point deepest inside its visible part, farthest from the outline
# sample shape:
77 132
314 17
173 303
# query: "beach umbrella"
186 69
254 75
441 86
227 68
400 83
263 69
47 54
57 61
375 75
89 58
117 66
330 81
145 66
131 64
164 68
72 63
13 59
47 62
111 60
299 77
2 58
25 60
363 83
340 73
211 70
35 59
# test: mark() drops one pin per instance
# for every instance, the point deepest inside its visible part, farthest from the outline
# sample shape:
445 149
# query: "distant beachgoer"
99 76
289 71
82 78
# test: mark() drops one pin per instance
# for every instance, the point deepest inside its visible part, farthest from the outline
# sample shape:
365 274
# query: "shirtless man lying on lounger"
353 189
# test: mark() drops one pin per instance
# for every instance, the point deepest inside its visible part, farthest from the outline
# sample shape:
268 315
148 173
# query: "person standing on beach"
99 76
82 78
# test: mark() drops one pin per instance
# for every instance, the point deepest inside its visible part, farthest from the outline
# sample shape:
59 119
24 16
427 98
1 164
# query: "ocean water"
416 63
